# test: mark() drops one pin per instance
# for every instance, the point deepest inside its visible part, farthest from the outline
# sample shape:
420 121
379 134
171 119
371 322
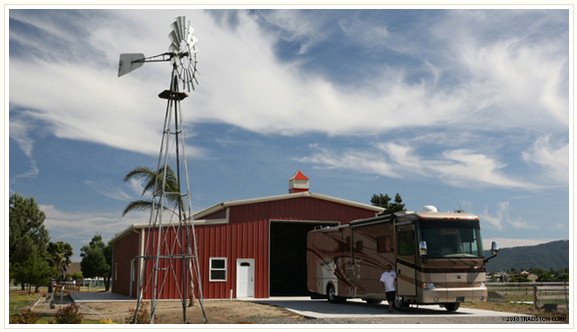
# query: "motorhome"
438 257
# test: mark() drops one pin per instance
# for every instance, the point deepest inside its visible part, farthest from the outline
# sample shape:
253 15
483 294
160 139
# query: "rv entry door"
406 251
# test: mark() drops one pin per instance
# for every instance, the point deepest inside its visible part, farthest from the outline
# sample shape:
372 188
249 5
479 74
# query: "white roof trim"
220 206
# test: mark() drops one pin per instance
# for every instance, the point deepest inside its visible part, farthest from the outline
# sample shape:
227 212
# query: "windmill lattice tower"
170 260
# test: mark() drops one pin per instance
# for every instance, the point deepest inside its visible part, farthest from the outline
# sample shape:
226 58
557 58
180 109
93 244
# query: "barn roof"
223 205
199 217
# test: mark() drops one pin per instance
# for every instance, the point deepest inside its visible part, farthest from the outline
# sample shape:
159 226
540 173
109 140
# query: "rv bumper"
452 295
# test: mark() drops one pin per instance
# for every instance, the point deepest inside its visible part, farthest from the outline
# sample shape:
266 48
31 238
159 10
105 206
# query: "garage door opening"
288 257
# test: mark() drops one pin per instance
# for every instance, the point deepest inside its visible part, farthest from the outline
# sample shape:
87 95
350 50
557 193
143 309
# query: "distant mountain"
552 255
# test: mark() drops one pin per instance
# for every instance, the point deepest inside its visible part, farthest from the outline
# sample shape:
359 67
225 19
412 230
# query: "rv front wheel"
400 303
332 296
452 306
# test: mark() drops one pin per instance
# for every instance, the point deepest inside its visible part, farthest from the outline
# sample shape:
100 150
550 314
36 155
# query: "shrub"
141 318
26 316
106 321
68 315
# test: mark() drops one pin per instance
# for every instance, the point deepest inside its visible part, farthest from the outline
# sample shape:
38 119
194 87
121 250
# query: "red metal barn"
247 248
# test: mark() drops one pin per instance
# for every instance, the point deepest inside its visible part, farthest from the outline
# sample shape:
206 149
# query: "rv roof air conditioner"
429 208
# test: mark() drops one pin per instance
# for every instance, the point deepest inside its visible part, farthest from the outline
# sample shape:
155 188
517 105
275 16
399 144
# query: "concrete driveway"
321 308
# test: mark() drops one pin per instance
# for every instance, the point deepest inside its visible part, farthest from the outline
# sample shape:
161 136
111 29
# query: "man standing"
389 281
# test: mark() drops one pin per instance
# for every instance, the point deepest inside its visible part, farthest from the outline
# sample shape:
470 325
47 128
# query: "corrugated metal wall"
124 251
171 273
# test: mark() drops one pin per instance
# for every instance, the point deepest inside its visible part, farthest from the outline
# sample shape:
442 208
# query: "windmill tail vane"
181 53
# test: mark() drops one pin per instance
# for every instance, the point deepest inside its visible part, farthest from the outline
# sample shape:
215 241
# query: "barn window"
217 269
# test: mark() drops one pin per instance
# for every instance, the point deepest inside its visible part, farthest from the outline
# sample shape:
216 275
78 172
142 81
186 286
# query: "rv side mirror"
495 248
423 248
494 251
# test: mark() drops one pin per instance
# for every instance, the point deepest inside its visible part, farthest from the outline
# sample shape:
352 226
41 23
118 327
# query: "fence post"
566 293
536 300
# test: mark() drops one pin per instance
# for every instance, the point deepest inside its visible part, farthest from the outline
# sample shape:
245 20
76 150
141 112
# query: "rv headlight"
428 285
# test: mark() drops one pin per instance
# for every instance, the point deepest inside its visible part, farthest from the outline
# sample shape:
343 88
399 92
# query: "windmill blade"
182 26
190 35
129 62
174 42
176 30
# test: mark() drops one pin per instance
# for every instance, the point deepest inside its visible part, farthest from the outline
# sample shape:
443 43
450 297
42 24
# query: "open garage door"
288 256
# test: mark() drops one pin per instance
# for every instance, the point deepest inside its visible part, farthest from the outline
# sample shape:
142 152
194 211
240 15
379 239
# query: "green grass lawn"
19 300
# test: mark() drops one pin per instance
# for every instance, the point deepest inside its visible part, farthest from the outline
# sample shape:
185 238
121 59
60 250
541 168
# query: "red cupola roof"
298 183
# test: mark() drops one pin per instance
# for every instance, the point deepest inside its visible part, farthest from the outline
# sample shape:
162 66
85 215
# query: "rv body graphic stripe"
475 269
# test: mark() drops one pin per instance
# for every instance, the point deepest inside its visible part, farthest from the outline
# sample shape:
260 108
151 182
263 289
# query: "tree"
383 201
97 260
171 188
59 257
34 271
27 234
75 276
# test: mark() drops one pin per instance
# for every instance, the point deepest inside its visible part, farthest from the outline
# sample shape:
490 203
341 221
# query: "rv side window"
384 244
405 243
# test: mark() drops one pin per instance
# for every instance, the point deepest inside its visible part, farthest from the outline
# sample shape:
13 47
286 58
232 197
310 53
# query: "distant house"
530 276
247 248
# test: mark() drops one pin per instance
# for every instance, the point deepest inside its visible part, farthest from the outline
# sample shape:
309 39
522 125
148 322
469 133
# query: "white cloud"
19 130
353 160
496 221
78 228
462 168
136 185
297 26
87 104
458 168
109 190
503 217
552 157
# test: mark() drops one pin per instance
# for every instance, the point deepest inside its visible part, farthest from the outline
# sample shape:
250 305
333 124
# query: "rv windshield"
451 238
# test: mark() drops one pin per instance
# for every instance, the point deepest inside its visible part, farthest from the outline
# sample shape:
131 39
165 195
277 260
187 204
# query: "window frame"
217 269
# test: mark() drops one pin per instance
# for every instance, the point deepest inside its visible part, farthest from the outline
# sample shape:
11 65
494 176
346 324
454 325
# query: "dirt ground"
171 312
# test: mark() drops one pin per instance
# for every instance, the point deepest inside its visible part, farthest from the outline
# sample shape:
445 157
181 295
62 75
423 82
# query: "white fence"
550 296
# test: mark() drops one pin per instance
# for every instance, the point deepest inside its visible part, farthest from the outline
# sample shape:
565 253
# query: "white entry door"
245 277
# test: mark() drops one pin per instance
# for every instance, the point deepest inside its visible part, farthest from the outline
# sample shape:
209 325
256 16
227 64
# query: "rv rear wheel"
400 303
452 306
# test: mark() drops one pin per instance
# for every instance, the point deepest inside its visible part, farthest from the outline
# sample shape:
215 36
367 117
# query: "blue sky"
458 108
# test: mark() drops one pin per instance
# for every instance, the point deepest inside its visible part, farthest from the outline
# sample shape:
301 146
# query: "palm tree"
60 254
171 189
173 198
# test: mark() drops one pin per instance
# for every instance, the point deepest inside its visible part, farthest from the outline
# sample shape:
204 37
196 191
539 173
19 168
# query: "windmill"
170 258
